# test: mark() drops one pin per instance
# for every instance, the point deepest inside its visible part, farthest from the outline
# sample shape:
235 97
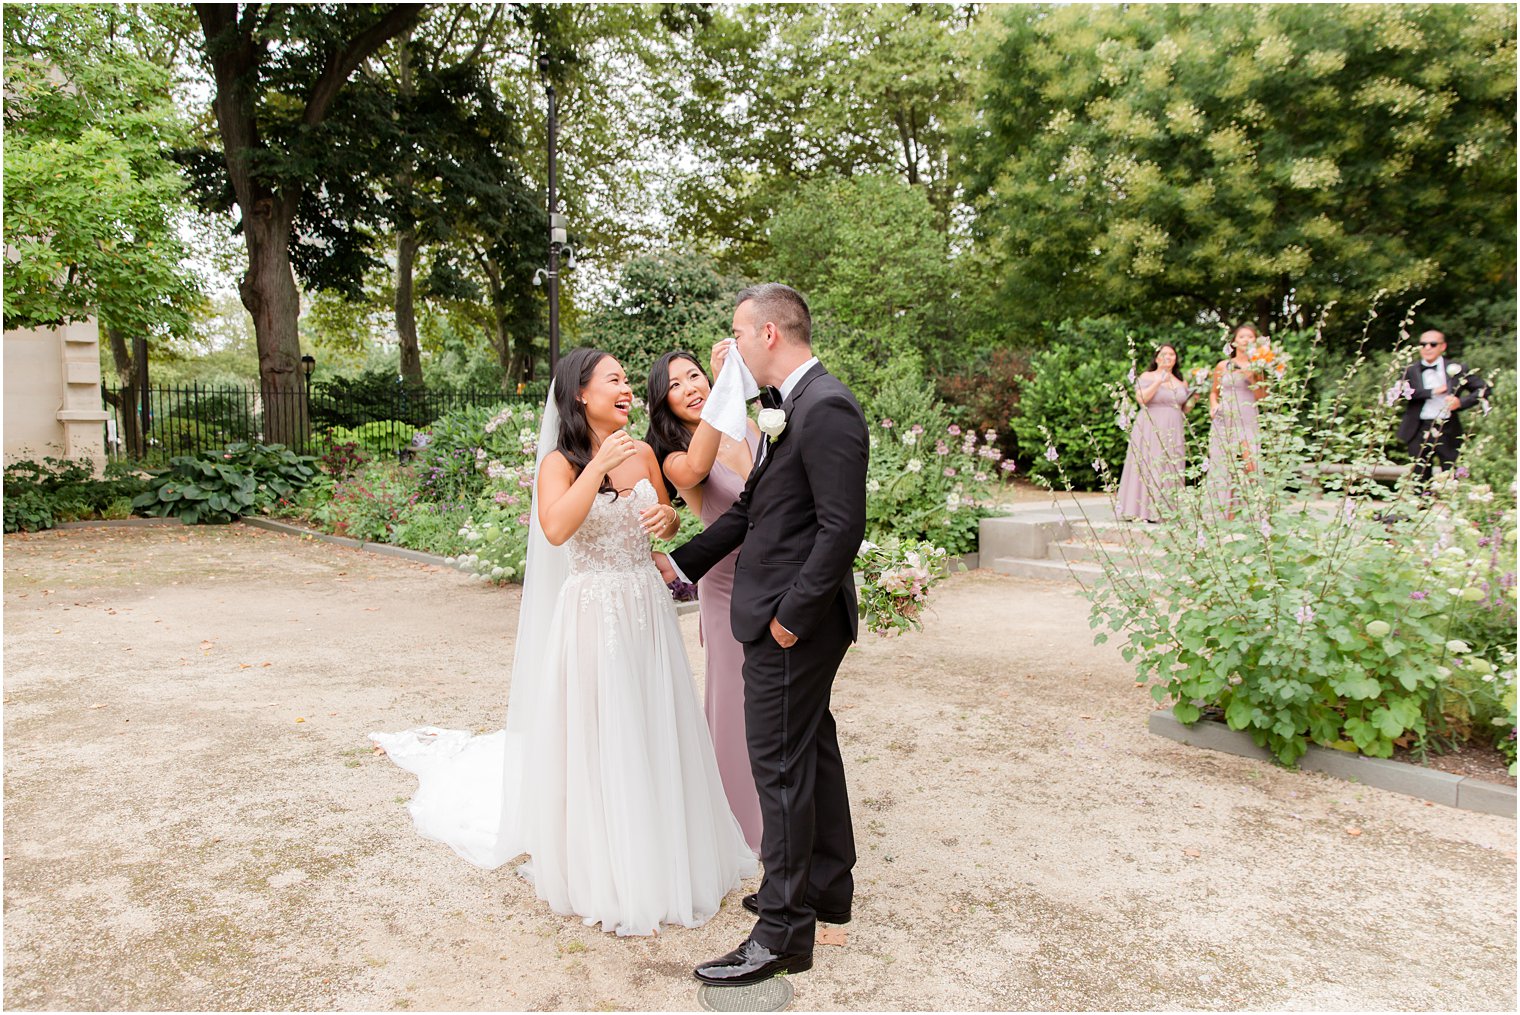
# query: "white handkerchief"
726 406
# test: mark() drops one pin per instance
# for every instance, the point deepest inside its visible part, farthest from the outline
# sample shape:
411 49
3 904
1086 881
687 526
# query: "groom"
800 521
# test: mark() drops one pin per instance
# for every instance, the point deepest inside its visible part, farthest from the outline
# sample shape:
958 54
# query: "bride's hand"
615 450
659 520
717 356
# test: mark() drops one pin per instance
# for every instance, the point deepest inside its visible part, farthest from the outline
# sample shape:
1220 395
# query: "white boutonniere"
771 422
1452 369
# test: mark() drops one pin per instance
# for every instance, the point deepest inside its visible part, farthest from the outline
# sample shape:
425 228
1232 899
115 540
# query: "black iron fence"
187 419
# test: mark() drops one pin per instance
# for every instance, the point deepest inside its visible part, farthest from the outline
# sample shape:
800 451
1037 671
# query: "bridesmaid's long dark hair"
667 434
574 372
1176 360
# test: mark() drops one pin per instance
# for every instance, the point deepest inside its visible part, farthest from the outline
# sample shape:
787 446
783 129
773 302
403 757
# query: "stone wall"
52 394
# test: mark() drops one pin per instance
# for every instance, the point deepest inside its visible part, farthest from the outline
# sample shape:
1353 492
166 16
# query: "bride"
605 774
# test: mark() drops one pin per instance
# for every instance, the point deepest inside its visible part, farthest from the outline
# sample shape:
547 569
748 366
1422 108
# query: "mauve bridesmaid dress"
1153 467
725 658
1234 440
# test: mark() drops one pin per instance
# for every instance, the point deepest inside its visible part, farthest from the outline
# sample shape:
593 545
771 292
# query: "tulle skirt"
610 787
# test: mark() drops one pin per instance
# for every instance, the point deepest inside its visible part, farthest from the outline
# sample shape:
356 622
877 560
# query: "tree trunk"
270 294
126 403
406 239
406 314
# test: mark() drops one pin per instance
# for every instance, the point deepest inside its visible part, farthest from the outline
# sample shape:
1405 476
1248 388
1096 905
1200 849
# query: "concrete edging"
1459 791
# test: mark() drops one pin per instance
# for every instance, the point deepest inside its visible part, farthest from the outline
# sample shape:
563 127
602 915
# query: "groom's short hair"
784 307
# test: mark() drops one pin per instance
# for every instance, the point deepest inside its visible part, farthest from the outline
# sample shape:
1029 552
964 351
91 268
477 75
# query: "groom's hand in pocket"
784 638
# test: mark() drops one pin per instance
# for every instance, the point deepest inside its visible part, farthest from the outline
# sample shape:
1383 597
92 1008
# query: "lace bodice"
610 539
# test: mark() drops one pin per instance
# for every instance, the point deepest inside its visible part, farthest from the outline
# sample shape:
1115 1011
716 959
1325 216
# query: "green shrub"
1342 620
370 503
431 528
39 495
928 479
215 487
382 437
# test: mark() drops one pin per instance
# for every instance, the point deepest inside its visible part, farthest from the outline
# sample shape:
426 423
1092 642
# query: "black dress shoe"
751 902
751 962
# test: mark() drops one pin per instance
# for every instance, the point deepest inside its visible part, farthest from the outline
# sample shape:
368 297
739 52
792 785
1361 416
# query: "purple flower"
1266 529
1008 465
1304 615
1462 472
682 592
1419 595
1051 455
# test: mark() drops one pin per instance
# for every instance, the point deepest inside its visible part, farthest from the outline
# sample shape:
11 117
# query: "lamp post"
557 234
308 364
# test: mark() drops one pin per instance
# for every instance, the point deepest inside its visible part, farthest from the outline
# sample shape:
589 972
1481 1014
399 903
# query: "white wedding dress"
605 775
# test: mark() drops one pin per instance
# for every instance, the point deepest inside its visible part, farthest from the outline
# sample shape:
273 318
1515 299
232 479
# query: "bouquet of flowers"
1268 360
898 577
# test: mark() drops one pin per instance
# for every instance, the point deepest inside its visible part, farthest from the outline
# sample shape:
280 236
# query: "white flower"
866 546
872 486
1452 369
914 465
771 422
909 438
1457 647
1379 629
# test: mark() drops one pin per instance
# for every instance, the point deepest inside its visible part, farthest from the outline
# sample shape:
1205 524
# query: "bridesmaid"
1234 440
709 469
1153 467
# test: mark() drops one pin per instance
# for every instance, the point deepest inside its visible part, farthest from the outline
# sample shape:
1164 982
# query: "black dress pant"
1436 440
808 843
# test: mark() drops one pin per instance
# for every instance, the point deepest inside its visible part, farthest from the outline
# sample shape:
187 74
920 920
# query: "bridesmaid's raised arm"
689 468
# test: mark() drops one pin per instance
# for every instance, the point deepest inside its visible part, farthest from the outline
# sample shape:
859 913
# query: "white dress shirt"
1432 376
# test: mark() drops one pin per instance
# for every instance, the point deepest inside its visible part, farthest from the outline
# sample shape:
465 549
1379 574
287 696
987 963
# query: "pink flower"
1304 615
953 430
949 472
522 519
887 424
1008 465
941 448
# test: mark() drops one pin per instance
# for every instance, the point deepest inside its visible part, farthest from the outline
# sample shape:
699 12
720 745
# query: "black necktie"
770 398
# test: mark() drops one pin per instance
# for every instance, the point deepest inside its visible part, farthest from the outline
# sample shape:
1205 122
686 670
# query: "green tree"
769 95
668 300
886 289
92 200
297 147
1199 161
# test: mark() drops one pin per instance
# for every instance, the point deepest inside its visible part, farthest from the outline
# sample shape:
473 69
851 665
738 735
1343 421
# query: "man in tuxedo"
1431 429
799 521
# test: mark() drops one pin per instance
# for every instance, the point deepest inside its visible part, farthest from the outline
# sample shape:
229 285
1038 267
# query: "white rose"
771 422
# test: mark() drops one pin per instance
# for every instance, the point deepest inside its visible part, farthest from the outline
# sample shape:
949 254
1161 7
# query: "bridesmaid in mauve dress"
1153 467
1234 439
709 470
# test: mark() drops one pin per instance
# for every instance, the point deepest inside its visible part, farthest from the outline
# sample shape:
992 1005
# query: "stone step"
1047 569
1087 550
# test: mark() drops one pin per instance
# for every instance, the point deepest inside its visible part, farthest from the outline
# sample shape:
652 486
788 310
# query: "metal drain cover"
767 995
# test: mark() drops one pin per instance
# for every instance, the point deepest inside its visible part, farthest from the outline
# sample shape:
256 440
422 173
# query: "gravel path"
193 819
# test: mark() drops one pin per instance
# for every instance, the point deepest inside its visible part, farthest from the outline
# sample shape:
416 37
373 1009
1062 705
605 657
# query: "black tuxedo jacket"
1467 386
799 520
